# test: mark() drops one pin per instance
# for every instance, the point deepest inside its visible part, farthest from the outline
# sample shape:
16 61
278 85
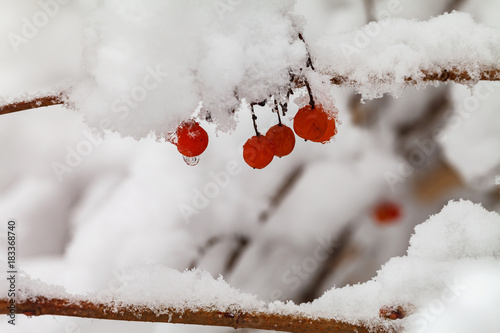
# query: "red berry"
192 139
258 151
283 139
309 123
387 212
331 130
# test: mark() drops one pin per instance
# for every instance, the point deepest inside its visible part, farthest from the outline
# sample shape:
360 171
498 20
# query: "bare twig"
231 318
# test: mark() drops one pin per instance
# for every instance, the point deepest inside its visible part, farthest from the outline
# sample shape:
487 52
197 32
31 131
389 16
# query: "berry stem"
277 112
311 99
309 61
254 118
284 108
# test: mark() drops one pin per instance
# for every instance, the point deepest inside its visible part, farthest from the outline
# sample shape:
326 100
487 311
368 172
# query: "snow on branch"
453 257
155 293
386 56
133 91
236 318
32 103
445 75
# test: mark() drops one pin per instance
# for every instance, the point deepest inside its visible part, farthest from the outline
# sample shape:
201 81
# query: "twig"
311 99
236 318
33 103
254 117
277 111
456 75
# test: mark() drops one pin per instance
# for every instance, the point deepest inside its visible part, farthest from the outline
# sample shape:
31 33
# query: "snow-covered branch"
445 75
32 103
455 74
236 318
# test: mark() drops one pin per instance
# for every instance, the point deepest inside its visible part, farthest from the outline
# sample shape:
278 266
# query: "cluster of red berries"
310 123
260 149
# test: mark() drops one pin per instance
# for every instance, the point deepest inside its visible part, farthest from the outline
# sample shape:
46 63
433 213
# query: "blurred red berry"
387 212
283 139
192 139
258 151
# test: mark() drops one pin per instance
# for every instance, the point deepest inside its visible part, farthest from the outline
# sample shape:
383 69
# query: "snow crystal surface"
158 287
453 257
462 230
144 74
452 263
381 56
28 288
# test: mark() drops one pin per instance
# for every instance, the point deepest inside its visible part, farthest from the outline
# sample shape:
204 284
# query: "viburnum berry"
258 151
331 130
387 212
283 139
192 139
310 123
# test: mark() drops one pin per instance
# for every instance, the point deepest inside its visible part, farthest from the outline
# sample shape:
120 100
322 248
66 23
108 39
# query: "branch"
455 75
33 103
41 305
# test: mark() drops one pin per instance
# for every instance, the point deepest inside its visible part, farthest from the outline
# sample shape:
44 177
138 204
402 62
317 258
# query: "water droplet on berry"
192 161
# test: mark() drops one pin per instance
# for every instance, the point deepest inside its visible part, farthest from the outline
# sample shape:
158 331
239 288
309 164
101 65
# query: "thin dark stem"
309 61
254 119
311 99
277 112
284 108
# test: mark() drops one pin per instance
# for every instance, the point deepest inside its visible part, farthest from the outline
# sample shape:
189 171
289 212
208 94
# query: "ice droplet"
192 161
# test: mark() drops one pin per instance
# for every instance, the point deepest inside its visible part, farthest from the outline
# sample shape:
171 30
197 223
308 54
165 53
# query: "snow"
168 288
379 57
449 266
217 56
120 205
447 257
457 233
218 49
464 145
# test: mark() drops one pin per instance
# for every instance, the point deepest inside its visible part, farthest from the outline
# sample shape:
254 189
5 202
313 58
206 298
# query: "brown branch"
231 318
33 103
455 75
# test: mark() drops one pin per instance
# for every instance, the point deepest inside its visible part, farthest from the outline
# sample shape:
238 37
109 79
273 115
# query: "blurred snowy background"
293 230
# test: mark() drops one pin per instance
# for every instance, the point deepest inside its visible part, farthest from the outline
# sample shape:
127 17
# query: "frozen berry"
387 212
258 151
310 123
283 139
192 139
331 130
